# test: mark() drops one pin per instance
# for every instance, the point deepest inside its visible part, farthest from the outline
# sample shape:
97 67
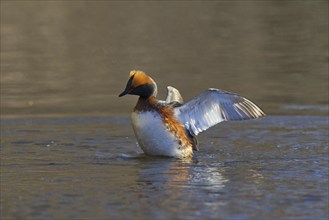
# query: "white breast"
152 135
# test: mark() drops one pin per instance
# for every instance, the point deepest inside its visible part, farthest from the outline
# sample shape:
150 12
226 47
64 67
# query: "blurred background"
69 58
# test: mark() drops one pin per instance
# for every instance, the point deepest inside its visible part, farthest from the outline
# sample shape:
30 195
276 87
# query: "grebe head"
139 83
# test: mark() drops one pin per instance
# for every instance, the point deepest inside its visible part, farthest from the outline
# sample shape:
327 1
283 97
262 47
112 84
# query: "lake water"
67 147
91 168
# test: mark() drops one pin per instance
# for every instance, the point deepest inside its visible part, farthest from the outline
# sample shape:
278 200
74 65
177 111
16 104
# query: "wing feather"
173 95
214 106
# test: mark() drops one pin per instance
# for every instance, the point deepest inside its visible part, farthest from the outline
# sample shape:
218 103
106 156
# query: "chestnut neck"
146 104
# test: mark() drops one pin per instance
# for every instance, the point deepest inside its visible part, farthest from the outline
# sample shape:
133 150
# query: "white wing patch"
214 106
173 95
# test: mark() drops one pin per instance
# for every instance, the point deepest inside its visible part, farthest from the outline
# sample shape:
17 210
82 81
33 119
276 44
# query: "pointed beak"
128 88
124 92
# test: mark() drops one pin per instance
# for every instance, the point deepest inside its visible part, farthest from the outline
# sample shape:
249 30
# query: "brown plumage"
169 120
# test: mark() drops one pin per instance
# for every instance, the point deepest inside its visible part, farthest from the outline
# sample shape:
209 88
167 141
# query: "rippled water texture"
91 168
67 147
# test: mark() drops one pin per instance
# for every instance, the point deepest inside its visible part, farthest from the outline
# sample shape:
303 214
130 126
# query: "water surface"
271 168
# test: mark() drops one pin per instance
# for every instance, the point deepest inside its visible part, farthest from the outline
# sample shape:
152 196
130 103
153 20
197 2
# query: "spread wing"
173 95
214 106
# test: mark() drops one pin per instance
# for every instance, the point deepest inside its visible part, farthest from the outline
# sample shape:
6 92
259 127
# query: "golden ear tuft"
136 72
140 78
133 72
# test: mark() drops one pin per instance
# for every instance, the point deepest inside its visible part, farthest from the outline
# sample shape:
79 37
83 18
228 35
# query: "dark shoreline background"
72 58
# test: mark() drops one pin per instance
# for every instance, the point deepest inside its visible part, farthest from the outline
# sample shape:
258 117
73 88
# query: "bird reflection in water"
176 174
